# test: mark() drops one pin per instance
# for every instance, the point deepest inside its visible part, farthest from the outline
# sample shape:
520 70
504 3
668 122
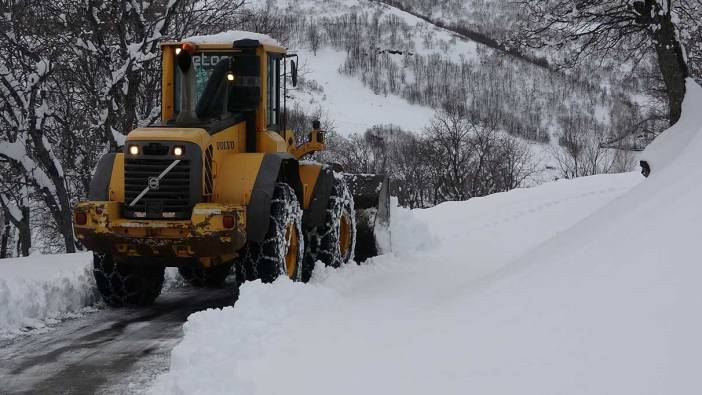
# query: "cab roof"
232 39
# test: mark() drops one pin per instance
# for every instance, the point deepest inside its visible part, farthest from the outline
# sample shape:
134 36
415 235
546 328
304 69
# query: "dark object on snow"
645 168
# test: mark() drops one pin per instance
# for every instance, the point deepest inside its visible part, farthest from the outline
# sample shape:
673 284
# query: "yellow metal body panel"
168 83
228 142
309 173
236 177
192 135
116 189
271 142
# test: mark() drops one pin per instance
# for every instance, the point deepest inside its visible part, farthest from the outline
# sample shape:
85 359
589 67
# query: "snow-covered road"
113 351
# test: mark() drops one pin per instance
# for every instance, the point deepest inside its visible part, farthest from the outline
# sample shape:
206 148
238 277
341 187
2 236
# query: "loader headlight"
177 51
178 151
134 149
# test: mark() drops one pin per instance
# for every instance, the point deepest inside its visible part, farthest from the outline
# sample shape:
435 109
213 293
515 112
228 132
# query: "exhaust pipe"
184 59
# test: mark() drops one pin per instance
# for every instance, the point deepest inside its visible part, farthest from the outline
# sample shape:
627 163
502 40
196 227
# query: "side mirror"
293 71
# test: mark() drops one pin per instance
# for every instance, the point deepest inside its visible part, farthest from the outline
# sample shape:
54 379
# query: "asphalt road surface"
113 351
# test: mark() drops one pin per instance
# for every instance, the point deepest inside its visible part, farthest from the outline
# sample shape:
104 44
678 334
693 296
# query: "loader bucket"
371 198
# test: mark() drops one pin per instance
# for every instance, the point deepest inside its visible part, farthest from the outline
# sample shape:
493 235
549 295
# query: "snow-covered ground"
588 286
42 289
391 326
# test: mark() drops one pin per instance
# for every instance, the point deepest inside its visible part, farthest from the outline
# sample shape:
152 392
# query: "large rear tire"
127 281
334 242
201 277
281 251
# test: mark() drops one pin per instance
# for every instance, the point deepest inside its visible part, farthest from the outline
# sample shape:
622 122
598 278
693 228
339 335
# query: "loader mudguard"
314 215
275 167
100 182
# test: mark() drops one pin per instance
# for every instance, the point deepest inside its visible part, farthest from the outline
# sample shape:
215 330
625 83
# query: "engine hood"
193 135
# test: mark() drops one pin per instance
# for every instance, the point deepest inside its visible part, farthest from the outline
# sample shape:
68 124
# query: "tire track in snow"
548 205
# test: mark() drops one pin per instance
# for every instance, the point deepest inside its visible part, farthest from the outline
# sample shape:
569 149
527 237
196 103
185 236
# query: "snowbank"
40 289
397 324
667 147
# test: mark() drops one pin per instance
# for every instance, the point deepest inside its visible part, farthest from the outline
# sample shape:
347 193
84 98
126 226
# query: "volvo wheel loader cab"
217 188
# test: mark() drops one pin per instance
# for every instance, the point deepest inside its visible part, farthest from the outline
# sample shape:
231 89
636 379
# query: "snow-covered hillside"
347 103
588 286
367 63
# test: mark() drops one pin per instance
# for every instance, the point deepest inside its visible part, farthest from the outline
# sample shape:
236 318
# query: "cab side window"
273 93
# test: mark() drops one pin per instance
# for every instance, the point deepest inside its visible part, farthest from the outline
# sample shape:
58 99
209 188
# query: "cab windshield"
211 70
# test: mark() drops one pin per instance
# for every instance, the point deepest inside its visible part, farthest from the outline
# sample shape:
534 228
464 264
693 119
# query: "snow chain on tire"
128 282
266 260
324 243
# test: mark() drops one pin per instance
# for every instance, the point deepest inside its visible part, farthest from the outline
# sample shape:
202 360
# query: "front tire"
127 281
334 242
281 251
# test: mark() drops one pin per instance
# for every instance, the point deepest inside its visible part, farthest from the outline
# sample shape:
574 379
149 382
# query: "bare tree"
75 77
627 29
29 63
14 200
513 164
581 154
449 135
455 158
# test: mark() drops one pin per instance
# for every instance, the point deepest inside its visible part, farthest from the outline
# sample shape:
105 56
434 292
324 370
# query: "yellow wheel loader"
218 188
